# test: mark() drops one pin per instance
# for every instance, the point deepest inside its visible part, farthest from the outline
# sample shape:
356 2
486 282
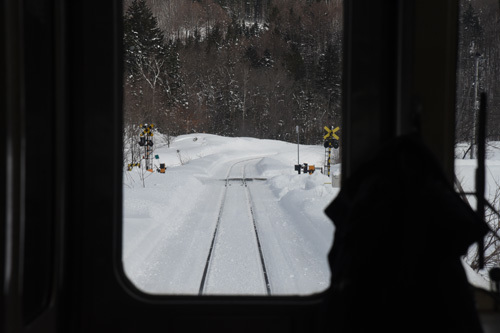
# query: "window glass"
477 72
231 145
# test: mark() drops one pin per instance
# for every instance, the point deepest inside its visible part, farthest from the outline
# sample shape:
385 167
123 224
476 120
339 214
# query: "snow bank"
173 213
180 208
465 170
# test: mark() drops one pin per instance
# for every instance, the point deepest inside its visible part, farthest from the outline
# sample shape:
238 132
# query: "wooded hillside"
478 67
236 68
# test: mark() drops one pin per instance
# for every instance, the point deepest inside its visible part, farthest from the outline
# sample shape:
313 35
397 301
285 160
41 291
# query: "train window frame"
89 289
114 70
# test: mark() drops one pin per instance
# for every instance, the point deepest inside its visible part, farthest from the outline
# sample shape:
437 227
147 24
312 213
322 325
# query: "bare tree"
491 241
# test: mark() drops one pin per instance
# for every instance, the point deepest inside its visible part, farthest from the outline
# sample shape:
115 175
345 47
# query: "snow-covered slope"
169 223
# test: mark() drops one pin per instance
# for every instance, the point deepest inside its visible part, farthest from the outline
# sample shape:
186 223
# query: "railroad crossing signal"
331 141
146 142
331 132
147 130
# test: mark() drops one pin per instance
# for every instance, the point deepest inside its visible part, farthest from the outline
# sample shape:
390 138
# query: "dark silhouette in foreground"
400 232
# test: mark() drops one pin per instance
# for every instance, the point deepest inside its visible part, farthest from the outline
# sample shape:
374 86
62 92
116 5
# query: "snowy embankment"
169 222
465 172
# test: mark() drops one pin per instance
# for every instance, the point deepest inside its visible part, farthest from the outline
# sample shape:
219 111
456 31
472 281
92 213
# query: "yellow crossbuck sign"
331 132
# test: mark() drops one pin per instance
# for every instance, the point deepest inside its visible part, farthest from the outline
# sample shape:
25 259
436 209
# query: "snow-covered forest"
254 68
258 68
478 61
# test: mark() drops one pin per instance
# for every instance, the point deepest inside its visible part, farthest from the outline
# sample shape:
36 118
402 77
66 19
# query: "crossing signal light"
333 143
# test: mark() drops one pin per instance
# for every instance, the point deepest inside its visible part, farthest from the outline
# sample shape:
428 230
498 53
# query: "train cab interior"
61 181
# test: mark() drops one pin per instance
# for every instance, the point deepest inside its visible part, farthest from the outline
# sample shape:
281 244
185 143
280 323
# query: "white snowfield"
465 172
239 185
272 238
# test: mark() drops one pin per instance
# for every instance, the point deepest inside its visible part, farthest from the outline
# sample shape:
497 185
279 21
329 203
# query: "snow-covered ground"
169 223
169 219
465 172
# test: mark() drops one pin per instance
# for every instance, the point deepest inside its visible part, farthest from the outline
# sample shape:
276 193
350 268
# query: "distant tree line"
478 67
253 68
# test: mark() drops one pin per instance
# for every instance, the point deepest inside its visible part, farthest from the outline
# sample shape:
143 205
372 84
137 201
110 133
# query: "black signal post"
145 140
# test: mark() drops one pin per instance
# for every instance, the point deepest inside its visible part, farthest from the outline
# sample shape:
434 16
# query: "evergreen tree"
251 54
153 78
294 62
472 29
328 73
267 61
143 40
214 38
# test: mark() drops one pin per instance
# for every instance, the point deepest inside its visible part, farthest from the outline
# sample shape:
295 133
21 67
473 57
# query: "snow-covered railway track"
235 262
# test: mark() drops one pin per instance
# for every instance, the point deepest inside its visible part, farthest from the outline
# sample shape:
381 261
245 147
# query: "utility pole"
297 129
298 167
476 106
